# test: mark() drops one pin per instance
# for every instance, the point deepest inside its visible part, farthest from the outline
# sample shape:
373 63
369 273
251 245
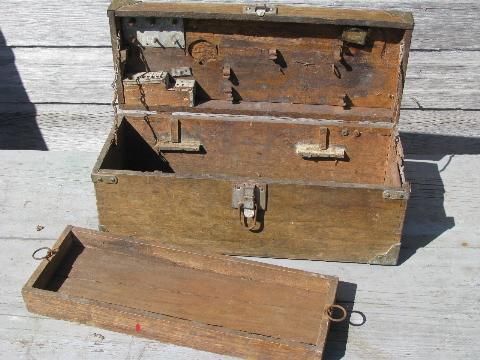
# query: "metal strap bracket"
104 178
357 36
260 10
395 194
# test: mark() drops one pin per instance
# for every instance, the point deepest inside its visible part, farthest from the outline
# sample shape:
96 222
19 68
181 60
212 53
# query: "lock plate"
248 195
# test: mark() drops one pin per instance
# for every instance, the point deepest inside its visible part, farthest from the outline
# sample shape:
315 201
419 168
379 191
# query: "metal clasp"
249 198
260 10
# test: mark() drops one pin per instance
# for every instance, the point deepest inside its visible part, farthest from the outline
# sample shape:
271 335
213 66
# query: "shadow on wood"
18 125
338 335
426 218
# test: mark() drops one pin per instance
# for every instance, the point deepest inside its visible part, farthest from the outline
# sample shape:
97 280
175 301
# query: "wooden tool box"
257 130
209 302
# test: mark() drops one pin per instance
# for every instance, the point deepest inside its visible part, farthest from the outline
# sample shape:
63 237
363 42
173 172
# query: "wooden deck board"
428 307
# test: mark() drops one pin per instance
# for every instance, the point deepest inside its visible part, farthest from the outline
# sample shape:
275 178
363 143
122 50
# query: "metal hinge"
396 194
105 179
260 10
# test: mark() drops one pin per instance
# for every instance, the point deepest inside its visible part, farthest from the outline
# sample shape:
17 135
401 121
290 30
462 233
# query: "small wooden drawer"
209 302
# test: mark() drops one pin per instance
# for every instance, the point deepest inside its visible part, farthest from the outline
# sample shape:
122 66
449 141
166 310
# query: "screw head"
345 132
356 133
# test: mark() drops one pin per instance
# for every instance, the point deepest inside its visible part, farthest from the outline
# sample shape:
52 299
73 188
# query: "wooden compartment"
258 130
209 302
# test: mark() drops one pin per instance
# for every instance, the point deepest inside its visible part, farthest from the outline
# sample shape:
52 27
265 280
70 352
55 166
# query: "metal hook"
244 220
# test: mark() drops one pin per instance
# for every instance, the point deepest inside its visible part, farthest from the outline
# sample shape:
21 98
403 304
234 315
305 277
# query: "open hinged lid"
312 62
211 302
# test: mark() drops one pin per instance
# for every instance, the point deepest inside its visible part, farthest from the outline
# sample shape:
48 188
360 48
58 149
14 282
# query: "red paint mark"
138 328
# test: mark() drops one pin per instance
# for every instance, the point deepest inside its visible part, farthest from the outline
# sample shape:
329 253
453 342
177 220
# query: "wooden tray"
209 302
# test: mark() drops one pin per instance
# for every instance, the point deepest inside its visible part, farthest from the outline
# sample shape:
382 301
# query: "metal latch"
249 198
260 10
175 143
321 149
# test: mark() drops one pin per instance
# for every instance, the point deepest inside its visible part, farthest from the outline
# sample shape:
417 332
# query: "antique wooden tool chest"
209 302
257 129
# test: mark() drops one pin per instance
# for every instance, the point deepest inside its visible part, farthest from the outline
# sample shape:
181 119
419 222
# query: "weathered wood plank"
434 80
439 24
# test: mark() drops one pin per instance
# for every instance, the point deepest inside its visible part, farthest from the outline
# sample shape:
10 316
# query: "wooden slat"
438 24
285 13
434 80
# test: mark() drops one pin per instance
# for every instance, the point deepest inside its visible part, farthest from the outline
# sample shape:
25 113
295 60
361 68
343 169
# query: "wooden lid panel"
246 61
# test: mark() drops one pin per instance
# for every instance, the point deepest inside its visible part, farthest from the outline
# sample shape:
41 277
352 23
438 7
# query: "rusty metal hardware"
331 308
320 149
395 194
104 178
226 72
260 10
249 198
151 77
175 143
188 86
228 91
273 54
355 36
312 151
47 256
155 32
181 72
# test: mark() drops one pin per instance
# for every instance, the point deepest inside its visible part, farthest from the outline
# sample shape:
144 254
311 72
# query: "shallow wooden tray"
209 302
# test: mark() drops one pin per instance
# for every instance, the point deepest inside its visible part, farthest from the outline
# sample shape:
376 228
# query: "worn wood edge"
332 280
115 318
311 111
45 263
322 15
272 119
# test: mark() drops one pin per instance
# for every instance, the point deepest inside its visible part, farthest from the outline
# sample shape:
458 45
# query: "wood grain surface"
426 308
184 297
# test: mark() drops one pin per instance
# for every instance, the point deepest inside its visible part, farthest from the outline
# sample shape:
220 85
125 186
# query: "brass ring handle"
243 219
47 256
329 311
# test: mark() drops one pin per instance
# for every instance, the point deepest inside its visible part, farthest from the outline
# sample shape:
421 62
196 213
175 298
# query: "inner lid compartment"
239 66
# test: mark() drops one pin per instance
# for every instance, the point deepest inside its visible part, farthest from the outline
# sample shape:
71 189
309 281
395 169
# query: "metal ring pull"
244 220
47 256
329 312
